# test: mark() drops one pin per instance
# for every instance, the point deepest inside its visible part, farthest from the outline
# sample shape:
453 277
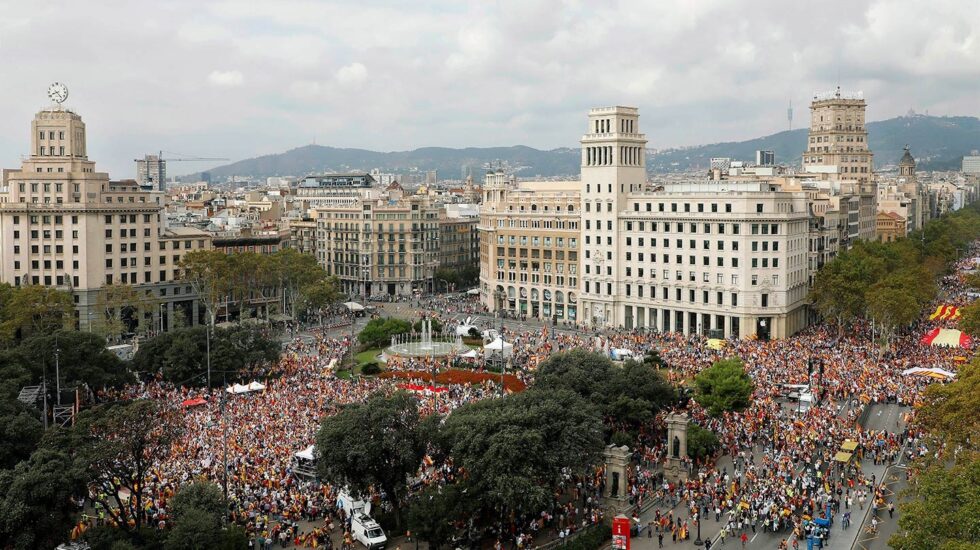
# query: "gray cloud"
240 78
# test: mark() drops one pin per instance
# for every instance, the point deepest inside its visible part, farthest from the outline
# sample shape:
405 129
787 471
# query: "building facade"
529 247
151 172
379 246
837 151
64 224
723 258
459 242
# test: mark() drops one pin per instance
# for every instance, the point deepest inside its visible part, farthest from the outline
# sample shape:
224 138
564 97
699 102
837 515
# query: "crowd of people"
782 473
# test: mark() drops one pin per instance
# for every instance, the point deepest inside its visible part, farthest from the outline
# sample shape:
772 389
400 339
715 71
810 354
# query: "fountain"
424 344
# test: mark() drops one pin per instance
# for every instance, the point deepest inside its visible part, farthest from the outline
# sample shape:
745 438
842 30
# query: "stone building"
64 224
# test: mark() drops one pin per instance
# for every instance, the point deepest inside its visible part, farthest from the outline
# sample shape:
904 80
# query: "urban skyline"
432 78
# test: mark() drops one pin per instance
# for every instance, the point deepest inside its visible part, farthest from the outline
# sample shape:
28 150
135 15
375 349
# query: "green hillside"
938 143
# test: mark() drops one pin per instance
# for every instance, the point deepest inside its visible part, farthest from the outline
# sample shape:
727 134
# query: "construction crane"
146 176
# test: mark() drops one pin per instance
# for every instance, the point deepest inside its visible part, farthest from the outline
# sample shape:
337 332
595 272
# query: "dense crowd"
783 469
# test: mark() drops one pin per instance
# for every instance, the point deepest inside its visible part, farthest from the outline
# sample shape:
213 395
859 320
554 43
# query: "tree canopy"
378 332
723 387
629 395
378 443
181 355
32 310
891 282
514 449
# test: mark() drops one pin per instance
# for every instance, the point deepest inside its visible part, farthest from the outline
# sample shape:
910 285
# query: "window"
758 207
734 299
755 280
765 300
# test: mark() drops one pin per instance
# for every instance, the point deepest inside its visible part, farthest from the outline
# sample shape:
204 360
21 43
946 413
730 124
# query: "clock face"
58 92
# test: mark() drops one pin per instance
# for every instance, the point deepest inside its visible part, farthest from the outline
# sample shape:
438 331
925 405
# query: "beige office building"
64 224
379 244
722 258
529 247
837 151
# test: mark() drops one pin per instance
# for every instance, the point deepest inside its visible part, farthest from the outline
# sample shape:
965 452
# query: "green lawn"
368 356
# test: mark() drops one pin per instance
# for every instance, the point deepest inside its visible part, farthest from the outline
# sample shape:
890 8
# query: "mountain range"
938 143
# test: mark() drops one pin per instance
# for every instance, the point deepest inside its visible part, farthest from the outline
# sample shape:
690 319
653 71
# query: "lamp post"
698 541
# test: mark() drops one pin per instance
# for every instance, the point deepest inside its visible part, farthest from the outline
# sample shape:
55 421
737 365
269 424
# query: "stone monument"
615 492
676 468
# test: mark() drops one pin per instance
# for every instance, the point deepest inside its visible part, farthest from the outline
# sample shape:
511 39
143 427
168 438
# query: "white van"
367 531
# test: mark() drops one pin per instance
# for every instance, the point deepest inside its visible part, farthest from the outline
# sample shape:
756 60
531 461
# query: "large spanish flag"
947 337
944 313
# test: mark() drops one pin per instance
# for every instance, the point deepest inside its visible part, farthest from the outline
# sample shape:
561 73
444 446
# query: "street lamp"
698 541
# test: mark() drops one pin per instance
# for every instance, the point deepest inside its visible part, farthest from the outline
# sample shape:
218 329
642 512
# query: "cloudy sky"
240 78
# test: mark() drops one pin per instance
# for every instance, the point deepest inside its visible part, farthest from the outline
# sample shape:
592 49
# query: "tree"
723 387
20 432
321 294
701 443
630 394
82 358
197 511
432 513
940 509
209 272
123 309
119 443
181 355
970 319
199 495
378 332
36 507
896 300
295 272
515 450
951 412
195 530
447 278
32 310
375 444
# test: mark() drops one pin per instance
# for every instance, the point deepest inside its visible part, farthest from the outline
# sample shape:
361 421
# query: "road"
882 416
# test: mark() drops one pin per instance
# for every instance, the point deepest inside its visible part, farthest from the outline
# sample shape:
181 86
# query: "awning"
281 317
843 457
354 306
849 446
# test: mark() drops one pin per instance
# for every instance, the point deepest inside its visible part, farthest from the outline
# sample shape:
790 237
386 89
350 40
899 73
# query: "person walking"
745 540
891 510
660 539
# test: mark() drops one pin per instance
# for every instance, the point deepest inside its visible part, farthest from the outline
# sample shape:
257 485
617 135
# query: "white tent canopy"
240 388
506 349
306 454
473 291
472 354
354 306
